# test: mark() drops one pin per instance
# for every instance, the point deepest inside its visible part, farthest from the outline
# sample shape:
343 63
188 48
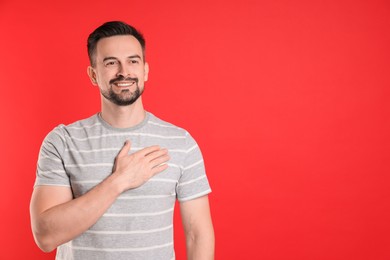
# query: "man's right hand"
133 170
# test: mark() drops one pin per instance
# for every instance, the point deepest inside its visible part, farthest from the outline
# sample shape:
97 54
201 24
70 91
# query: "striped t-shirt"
139 225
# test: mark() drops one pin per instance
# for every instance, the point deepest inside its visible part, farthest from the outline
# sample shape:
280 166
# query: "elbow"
44 243
46 248
42 237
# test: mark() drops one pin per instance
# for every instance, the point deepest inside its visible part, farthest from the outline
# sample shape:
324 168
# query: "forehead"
118 46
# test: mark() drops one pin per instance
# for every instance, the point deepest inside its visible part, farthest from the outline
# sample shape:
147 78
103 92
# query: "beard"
125 97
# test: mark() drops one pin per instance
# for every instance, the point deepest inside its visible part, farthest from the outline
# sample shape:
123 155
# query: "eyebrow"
134 57
129 57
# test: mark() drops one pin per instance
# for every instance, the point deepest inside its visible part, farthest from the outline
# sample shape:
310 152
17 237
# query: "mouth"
124 84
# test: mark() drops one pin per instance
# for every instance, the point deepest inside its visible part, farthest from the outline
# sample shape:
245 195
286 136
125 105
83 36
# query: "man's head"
112 29
116 51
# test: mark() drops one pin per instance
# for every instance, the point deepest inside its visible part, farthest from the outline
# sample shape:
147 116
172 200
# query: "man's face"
120 71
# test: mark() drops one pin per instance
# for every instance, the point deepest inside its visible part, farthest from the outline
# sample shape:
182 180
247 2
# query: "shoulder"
82 124
60 133
163 126
175 134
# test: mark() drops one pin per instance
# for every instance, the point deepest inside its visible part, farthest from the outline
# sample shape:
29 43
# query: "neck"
122 116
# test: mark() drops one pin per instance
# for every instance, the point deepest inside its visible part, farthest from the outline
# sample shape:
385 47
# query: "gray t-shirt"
139 225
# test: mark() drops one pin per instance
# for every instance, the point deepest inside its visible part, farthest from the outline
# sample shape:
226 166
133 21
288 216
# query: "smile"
124 84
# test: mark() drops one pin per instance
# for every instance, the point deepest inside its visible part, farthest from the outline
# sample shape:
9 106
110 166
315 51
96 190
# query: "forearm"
61 223
200 247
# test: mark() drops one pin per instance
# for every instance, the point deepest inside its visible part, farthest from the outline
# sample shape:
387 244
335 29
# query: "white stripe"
163 180
192 148
192 181
98 181
89 165
196 195
173 165
49 158
92 150
117 149
134 249
125 134
51 171
51 184
145 197
182 150
177 150
138 214
129 232
86 182
83 127
193 165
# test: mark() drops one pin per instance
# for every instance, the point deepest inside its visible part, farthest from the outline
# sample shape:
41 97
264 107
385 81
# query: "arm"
57 218
198 228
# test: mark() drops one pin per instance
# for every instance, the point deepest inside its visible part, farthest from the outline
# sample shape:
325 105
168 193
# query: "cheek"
105 77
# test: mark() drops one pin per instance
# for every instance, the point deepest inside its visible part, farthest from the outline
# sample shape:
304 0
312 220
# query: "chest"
88 162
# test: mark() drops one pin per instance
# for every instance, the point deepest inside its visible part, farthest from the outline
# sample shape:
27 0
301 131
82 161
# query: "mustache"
122 78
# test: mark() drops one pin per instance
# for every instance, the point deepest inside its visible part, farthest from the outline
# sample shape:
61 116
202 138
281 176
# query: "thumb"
125 149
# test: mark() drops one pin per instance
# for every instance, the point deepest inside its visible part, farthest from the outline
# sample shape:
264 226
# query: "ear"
146 70
92 75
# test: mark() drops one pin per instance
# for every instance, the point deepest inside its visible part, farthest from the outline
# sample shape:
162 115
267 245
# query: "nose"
123 71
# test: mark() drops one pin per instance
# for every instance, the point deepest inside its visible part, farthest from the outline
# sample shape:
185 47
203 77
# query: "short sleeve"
193 182
50 166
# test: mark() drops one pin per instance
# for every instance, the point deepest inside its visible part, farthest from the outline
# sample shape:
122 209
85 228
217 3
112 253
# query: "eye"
110 63
134 61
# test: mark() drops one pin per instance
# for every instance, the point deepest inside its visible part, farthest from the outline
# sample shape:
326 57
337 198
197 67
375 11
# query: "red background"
289 101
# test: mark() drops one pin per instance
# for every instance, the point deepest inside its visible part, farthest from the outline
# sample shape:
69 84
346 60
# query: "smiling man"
106 186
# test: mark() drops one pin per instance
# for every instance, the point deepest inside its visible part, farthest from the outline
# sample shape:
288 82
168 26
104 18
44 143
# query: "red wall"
289 101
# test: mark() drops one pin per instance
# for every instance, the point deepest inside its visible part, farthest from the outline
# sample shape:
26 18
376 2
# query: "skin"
57 218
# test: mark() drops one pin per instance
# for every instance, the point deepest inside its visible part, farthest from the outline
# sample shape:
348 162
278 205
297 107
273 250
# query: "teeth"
124 84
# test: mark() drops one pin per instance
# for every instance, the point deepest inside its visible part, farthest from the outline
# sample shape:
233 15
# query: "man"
106 186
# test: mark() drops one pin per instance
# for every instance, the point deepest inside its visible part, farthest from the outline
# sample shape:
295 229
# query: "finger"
159 160
155 154
146 151
125 149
